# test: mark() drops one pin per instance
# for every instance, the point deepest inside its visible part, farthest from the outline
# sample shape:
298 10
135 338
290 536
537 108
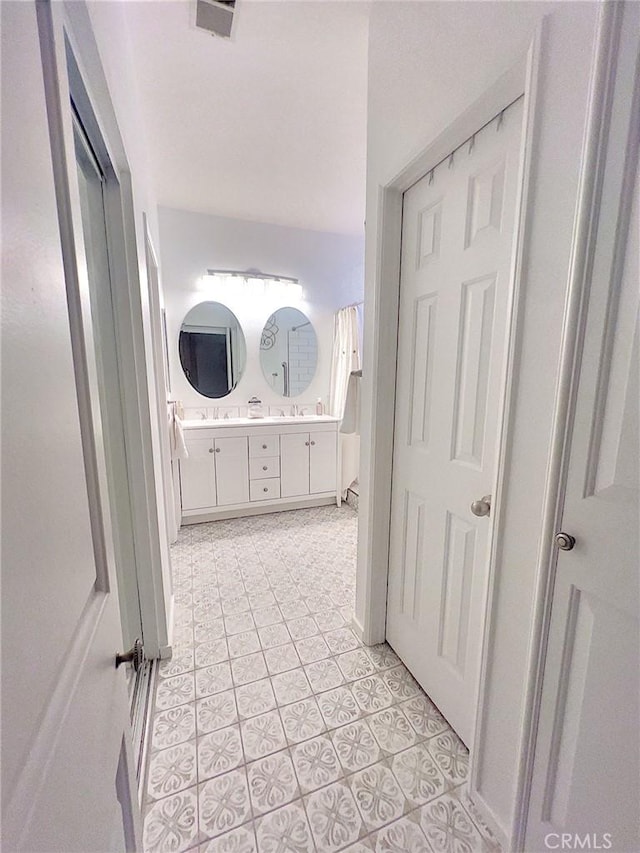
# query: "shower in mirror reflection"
288 352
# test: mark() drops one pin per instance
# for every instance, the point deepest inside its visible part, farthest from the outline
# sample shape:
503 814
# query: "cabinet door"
232 470
322 462
197 475
294 464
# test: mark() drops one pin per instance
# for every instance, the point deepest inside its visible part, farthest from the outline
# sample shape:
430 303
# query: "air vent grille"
215 16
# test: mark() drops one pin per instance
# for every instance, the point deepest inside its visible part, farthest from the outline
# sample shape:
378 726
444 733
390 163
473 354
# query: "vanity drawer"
265 490
262 468
267 445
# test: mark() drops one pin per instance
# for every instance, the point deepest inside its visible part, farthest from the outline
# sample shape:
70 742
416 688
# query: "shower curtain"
345 359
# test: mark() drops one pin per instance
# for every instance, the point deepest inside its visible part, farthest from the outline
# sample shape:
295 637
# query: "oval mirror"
212 349
288 352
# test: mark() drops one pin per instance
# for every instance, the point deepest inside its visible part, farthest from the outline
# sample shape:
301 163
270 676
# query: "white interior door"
68 771
457 247
586 779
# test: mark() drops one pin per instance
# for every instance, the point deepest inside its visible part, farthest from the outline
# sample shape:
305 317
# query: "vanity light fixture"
257 283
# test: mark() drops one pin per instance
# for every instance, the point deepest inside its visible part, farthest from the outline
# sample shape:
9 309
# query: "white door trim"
71 22
593 160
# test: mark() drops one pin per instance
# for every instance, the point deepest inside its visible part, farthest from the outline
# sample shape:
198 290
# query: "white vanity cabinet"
245 467
308 463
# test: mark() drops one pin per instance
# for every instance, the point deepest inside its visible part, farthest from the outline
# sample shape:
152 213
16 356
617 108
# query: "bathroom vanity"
245 466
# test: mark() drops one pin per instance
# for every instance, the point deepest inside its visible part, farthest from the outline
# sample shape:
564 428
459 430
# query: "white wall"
328 266
428 62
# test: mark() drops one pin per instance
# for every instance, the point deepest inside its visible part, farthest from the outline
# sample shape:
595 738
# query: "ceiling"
269 126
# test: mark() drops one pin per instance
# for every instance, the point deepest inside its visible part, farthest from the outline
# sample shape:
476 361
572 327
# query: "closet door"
294 464
457 246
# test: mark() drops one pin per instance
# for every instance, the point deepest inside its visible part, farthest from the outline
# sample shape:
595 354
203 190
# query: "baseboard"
357 628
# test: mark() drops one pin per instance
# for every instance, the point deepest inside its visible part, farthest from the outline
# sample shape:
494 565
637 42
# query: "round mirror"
288 352
212 349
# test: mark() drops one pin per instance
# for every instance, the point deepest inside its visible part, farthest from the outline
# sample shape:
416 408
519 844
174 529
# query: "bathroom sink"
271 419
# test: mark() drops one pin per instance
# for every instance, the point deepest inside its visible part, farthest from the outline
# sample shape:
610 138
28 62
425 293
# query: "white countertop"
271 421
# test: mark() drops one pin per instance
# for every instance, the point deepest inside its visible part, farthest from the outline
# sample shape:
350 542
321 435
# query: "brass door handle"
135 655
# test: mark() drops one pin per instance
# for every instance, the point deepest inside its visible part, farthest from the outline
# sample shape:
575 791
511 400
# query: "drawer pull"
265 468
306 444
313 442
211 450
264 446
266 489
217 450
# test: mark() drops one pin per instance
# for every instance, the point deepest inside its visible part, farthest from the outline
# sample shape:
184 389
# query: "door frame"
609 45
382 301
69 47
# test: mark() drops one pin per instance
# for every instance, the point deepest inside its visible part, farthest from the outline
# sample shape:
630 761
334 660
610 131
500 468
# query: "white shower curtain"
345 359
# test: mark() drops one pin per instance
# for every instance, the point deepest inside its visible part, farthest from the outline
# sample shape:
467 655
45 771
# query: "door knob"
135 655
564 541
482 507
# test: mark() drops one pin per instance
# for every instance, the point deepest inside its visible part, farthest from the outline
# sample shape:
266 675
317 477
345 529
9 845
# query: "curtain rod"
353 304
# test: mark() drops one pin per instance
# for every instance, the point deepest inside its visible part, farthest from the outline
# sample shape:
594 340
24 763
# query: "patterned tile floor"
274 728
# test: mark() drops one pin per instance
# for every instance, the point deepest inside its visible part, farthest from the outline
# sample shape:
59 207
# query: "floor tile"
175 691
323 675
338 706
175 725
262 735
281 658
285 830
219 752
448 827
213 679
171 823
371 694
377 795
240 840
401 836
451 756
392 729
248 668
274 728
316 763
418 774
243 644
272 782
302 720
291 686
334 817
172 770
424 716
216 712
274 635
255 698
356 746
223 803
312 649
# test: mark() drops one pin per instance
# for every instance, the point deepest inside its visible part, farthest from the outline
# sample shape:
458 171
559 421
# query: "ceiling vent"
215 16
